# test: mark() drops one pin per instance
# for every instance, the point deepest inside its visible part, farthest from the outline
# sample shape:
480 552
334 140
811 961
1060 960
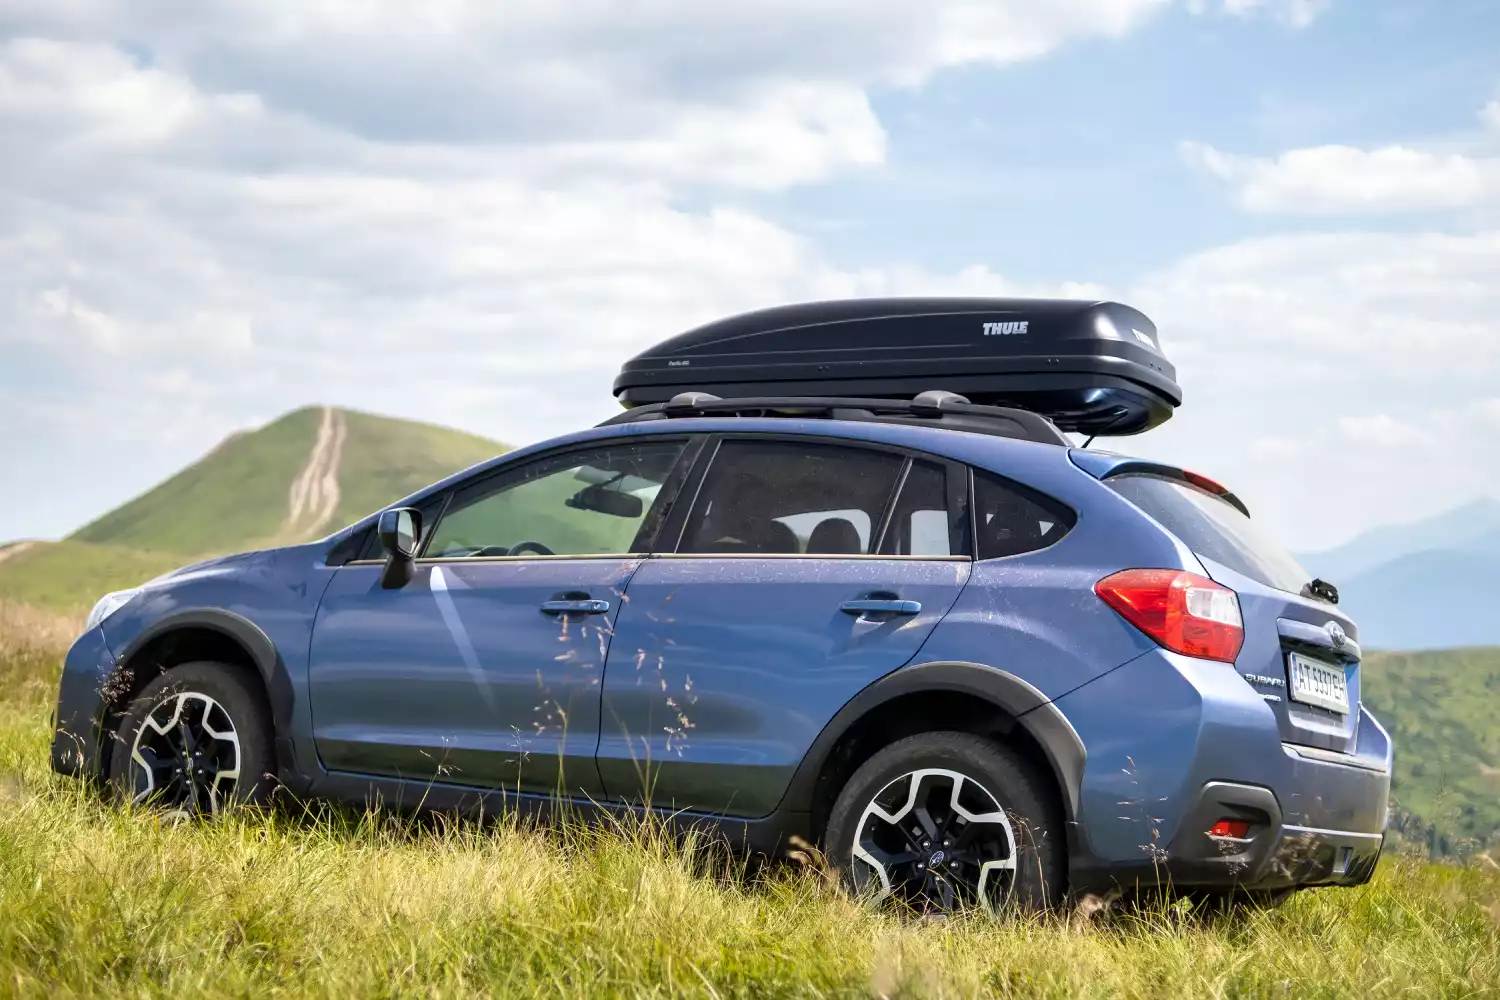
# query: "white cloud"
1334 380
1326 180
793 133
186 249
1410 466
468 71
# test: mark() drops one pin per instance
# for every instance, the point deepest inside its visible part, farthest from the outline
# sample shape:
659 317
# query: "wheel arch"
191 635
972 697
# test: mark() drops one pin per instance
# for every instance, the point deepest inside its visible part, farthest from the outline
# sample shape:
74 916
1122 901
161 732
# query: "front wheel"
196 740
944 821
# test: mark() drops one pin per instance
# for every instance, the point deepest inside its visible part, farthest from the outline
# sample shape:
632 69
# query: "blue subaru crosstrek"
973 661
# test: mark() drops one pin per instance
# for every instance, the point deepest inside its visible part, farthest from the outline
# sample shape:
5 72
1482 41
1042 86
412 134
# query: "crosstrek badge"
1009 328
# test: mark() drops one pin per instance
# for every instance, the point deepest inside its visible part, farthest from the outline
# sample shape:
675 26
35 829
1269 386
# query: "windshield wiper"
1321 590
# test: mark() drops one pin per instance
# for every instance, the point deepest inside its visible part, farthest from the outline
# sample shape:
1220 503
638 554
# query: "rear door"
1297 648
806 569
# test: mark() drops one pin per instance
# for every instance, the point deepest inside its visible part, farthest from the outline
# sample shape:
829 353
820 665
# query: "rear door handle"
867 606
588 606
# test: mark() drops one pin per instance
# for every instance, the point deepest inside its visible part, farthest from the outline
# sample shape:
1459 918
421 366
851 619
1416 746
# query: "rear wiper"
1322 590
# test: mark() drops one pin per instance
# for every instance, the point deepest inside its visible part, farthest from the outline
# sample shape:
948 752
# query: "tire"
214 712
895 860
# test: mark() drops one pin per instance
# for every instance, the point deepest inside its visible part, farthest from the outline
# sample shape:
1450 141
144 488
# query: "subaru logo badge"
1337 634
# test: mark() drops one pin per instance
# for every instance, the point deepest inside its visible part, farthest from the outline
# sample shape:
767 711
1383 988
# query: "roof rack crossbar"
942 408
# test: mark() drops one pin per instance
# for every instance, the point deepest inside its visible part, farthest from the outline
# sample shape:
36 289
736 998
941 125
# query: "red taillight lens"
1182 611
1239 829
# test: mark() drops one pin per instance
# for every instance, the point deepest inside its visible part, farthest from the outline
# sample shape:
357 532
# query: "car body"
729 651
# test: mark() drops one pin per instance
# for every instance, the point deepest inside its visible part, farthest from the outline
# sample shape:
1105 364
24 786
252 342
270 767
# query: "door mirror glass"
603 500
398 530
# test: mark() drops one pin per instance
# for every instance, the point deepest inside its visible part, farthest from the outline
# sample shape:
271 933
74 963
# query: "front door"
806 571
485 669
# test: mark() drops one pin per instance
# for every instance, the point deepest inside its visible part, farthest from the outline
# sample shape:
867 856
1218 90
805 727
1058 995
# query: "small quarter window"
1010 519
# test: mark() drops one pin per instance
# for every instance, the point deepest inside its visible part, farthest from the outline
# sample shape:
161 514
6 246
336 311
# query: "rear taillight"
1182 611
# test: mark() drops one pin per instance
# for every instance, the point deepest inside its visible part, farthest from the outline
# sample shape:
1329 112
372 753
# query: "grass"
1440 708
100 901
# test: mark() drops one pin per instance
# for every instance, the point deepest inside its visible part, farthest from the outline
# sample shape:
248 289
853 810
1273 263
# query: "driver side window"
591 502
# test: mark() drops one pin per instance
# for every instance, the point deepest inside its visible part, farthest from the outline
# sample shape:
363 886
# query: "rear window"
1213 529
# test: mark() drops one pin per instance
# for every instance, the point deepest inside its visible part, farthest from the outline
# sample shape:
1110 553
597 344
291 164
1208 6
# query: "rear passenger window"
791 498
920 525
1010 519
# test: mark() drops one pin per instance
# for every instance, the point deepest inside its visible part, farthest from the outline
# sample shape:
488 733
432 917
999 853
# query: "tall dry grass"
32 644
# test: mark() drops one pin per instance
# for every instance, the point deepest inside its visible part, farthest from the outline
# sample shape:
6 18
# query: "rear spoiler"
1105 465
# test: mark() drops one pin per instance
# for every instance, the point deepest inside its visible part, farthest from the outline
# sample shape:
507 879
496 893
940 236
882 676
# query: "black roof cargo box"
1090 367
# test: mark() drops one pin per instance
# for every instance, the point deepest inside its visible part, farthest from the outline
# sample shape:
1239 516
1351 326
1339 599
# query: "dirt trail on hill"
15 550
314 496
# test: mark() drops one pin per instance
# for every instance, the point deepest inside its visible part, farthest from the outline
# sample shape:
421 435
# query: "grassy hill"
239 495
1442 709
295 479
69 576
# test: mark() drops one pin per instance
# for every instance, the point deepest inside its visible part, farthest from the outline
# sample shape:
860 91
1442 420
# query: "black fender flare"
244 632
1029 707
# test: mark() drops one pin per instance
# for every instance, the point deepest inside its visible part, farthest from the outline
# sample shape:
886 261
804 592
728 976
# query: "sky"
471 213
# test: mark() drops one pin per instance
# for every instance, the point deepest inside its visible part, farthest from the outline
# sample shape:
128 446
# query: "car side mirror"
399 531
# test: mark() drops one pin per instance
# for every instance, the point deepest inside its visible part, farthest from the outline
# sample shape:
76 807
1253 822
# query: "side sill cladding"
1021 701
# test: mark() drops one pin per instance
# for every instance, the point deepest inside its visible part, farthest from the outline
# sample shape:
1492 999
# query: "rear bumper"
1275 854
1214 752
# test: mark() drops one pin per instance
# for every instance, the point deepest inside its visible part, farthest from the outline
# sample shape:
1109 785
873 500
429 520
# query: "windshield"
1213 529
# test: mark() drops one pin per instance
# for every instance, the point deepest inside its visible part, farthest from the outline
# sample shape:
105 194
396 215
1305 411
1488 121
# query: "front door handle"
587 606
873 606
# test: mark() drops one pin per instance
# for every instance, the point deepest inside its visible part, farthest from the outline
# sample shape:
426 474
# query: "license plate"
1320 684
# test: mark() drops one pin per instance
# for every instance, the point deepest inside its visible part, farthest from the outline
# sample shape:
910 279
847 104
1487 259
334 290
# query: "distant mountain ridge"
1474 526
1428 584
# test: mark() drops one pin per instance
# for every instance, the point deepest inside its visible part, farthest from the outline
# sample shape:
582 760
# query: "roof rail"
934 408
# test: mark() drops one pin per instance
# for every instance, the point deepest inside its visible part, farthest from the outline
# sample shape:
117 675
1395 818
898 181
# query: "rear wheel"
944 821
195 741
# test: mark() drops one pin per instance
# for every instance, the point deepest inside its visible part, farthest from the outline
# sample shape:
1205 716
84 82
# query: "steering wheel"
521 548
491 550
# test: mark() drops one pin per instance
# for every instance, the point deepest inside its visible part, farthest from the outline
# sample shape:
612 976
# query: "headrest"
835 536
